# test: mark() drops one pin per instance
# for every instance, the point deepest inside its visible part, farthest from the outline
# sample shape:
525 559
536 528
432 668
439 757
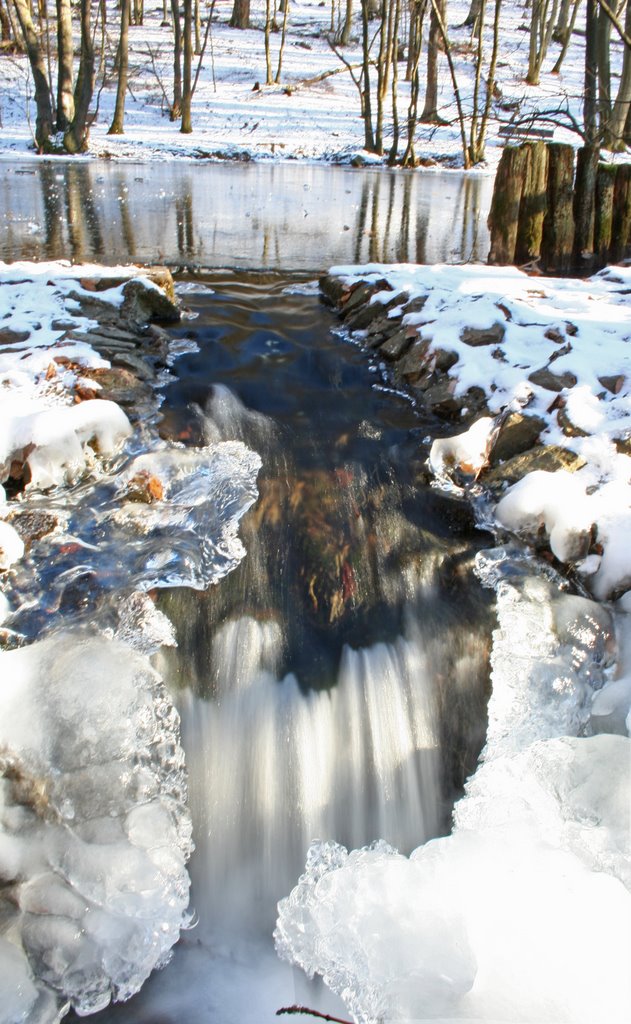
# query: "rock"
439 398
359 295
333 290
370 313
414 362
613 382
477 336
398 343
545 457
566 425
415 305
544 378
118 385
444 359
144 487
11 337
142 304
32 524
517 433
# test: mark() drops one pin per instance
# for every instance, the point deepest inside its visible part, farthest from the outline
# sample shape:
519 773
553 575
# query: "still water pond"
276 216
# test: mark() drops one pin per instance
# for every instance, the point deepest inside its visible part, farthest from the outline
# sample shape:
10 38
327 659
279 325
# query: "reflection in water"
252 216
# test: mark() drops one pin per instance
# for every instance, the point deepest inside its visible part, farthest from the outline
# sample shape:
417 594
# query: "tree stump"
584 207
558 227
504 216
621 217
605 178
534 203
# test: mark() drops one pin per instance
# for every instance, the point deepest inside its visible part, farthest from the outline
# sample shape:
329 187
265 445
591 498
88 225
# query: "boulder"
545 378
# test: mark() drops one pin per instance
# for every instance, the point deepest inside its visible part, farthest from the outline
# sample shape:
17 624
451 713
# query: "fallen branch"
311 1013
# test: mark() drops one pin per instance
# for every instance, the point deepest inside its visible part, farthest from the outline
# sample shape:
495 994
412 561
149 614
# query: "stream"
334 685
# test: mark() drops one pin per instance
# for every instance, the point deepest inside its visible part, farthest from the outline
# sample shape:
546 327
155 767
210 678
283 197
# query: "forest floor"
313 112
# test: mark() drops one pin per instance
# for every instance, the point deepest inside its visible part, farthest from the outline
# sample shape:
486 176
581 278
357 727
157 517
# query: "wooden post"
504 216
584 202
621 219
558 226
533 205
605 178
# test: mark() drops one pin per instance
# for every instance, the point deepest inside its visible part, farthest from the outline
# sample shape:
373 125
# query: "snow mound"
94 829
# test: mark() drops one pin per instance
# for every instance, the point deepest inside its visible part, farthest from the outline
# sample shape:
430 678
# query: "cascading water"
328 687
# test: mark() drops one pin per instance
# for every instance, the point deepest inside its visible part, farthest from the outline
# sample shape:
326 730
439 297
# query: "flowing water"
334 684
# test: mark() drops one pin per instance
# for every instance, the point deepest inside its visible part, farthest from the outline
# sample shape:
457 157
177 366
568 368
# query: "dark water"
335 684
281 216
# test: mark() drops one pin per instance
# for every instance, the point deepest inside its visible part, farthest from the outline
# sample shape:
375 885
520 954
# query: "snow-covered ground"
301 117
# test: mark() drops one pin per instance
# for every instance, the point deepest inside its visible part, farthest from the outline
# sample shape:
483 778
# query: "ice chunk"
94 829
11 548
467 452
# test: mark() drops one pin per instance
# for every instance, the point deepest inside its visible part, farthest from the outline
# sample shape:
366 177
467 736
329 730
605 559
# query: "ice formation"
497 921
94 828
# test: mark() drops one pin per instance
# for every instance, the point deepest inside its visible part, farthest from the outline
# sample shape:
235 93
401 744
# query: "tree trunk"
176 108
533 205
5 25
504 216
65 97
603 46
139 12
429 113
565 41
590 101
268 55
541 27
558 225
622 106
44 115
584 206
369 138
198 29
348 24
117 125
473 16
621 221
240 14
76 138
605 179
187 126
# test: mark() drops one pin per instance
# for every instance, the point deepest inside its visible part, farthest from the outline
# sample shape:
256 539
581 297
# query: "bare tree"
122 62
542 22
176 106
43 106
187 95
65 97
429 113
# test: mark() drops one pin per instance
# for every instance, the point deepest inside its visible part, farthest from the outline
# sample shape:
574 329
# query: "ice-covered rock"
94 829
55 442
